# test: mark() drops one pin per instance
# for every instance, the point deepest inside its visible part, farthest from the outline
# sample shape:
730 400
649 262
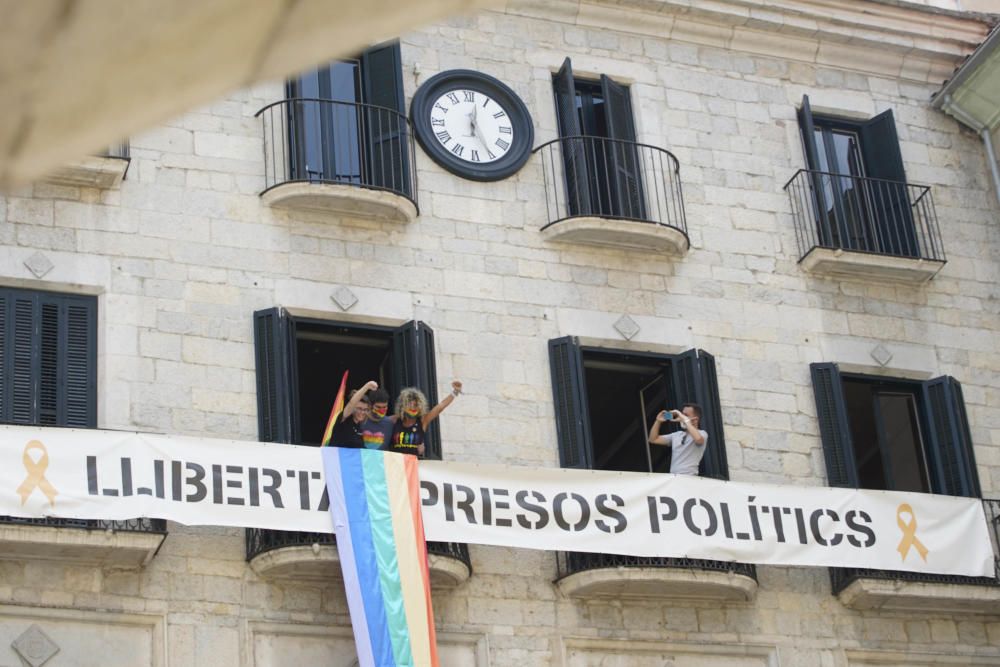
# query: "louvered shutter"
834 429
575 148
825 234
414 365
388 164
889 199
48 350
621 153
949 439
274 396
695 381
569 396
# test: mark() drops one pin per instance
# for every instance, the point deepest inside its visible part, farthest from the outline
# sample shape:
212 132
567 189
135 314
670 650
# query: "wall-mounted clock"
472 125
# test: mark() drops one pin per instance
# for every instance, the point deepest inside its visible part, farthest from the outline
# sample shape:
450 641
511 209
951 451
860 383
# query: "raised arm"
356 397
654 431
686 424
456 389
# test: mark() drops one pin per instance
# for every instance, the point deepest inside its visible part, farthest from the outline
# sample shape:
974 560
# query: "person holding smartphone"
687 444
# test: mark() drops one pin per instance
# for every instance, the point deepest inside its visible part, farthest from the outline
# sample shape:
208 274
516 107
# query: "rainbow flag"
375 503
338 407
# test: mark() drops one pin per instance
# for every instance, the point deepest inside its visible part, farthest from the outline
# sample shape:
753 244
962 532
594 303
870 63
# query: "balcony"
340 158
111 544
865 228
591 575
613 193
912 591
104 170
278 554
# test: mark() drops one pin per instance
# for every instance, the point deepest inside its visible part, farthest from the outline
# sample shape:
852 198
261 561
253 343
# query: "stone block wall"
183 252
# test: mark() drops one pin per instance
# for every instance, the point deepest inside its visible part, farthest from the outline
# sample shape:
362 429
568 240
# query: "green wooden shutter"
414 365
621 153
274 375
48 358
825 234
569 395
949 439
834 429
695 381
386 133
575 148
889 198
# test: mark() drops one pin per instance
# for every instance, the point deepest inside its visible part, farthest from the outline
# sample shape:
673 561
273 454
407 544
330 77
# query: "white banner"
91 474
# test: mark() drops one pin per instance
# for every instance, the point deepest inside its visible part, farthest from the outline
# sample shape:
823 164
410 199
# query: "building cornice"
908 42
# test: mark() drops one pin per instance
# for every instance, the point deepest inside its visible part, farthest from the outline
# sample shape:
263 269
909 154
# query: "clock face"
472 125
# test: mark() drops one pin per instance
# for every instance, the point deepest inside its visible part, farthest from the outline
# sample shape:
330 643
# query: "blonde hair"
411 395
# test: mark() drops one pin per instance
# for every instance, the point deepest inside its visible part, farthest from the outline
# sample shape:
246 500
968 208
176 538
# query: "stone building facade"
178 257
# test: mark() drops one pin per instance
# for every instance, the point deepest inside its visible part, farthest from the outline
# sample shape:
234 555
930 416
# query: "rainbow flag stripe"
375 503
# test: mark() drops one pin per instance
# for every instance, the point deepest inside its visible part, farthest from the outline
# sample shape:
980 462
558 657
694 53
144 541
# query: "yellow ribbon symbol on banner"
36 474
909 529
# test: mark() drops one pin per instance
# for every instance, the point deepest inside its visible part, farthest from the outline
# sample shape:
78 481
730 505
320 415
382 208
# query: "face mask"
411 413
377 413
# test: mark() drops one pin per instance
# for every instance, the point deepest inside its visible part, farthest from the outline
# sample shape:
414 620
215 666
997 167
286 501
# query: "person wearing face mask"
376 430
413 418
348 431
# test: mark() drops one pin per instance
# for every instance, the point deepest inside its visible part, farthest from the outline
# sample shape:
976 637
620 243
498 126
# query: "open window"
300 362
600 153
859 189
606 400
894 434
347 122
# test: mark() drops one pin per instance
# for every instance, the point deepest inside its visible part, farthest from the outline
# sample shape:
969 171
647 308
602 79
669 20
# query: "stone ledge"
659 582
91 172
340 199
618 233
447 572
923 597
104 548
839 263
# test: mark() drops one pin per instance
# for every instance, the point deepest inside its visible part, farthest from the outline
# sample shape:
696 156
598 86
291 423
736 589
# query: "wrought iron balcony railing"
119 149
609 178
323 141
841 577
570 562
868 215
128 526
259 541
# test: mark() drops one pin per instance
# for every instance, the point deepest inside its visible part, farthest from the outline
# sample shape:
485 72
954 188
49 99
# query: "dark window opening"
624 394
300 362
889 448
859 185
599 149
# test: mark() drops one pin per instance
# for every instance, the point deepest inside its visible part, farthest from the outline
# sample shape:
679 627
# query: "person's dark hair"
695 407
379 396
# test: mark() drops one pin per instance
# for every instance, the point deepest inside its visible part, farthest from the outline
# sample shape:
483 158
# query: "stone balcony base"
922 597
618 233
103 548
340 199
660 583
321 562
91 172
838 263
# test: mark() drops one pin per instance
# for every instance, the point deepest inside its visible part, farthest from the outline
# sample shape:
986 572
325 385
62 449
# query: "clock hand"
476 130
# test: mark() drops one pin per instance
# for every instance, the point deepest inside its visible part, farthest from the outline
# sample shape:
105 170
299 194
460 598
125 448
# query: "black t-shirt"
406 439
347 433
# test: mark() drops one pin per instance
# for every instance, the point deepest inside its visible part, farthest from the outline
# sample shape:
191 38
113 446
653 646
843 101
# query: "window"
599 148
859 186
48 358
894 434
300 362
347 122
605 402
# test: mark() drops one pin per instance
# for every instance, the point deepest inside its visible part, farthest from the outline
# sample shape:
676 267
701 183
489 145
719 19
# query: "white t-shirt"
685 453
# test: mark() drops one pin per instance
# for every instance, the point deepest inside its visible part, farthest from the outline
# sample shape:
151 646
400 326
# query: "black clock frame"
463 79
